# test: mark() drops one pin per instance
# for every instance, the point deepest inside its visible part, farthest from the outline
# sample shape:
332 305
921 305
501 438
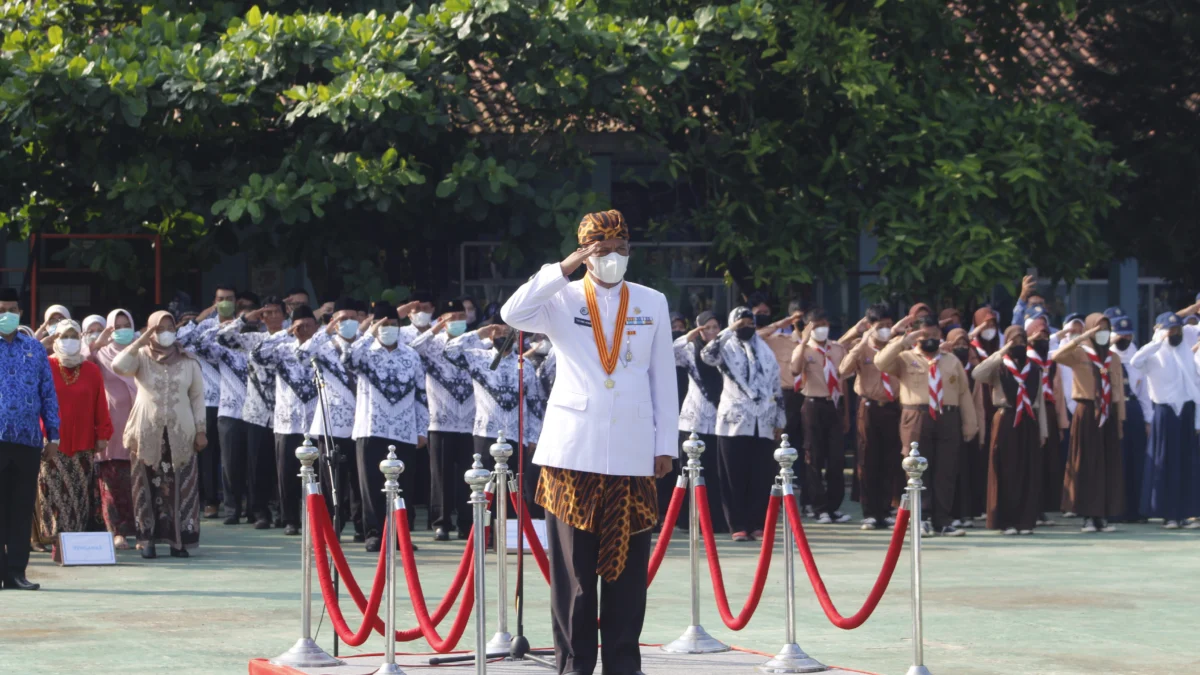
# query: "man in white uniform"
609 431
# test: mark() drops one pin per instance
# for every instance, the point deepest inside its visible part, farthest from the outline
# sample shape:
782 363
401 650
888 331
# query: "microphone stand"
330 464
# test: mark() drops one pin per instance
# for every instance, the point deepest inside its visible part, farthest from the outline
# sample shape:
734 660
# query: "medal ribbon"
610 355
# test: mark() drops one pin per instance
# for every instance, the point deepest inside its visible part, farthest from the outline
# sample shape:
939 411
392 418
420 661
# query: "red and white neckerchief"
887 386
1024 405
1044 364
831 375
798 383
935 387
1105 382
983 353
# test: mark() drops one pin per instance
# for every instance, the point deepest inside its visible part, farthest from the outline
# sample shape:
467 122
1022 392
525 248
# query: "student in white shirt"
1138 413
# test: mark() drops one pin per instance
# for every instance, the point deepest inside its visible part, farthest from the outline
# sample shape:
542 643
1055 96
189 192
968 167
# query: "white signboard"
87 548
539 526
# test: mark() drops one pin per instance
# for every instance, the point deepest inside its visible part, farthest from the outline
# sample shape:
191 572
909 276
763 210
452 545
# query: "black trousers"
234 464
941 442
19 466
878 464
710 464
825 454
793 404
349 492
209 461
370 452
260 459
450 455
287 472
746 480
573 601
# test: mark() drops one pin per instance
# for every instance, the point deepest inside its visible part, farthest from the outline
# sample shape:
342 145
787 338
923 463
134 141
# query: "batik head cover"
602 226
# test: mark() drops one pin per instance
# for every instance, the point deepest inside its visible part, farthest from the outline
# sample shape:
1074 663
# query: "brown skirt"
114 484
166 501
64 495
1093 482
1014 472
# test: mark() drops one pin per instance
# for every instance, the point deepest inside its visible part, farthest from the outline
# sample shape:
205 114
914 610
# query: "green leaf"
76 66
389 158
236 209
254 16
55 36
255 211
446 188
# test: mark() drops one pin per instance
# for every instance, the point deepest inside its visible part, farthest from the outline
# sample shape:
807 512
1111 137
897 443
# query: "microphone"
504 347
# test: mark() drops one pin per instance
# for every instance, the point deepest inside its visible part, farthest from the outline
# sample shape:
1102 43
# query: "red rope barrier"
714 563
370 611
664 537
428 626
535 544
814 575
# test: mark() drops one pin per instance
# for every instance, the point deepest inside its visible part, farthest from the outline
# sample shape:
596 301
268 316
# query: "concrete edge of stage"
737 661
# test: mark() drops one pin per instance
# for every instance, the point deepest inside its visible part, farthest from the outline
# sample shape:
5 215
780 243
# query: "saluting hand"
403 311
902 325
103 339
862 326
573 261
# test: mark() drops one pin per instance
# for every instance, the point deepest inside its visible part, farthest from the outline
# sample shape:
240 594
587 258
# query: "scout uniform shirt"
869 381
1085 382
813 382
613 424
910 369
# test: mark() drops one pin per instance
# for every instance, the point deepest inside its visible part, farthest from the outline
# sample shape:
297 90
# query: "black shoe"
359 537
232 520
441 535
18 582
263 524
291 530
179 553
373 544
463 534
148 551
279 522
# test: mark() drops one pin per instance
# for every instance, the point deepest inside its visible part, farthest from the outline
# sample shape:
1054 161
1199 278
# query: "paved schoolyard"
1056 603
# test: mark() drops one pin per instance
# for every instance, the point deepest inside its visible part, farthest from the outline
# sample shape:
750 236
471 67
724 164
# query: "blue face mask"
123 336
50 330
9 322
348 328
456 328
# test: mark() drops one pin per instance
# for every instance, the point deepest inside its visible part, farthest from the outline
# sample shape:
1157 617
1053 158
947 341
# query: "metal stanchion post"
501 450
306 653
915 466
695 640
391 468
477 477
790 659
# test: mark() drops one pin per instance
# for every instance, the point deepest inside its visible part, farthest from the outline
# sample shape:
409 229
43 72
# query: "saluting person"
1139 411
610 429
699 410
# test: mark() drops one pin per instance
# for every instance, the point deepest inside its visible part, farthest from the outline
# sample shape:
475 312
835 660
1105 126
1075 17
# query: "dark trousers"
793 405
825 454
939 441
287 476
19 466
209 462
878 456
234 464
710 464
573 601
370 452
450 455
260 458
349 493
746 479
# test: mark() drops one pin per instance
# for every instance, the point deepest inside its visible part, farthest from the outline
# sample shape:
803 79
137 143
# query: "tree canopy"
333 135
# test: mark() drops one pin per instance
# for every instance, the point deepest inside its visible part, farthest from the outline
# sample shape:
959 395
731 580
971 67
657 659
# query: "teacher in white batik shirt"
610 429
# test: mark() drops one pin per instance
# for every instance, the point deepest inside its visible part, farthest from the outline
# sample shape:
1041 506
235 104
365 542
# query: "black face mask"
930 345
1175 340
1042 347
745 333
1016 349
1123 344
761 320
676 334
963 354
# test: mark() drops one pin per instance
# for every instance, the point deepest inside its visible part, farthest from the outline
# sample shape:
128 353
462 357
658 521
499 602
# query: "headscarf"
109 352
1092 321
739 313
164 355
912 311
57 309
710 381
64 359
94 319
954 335
602 226
947 316
983 315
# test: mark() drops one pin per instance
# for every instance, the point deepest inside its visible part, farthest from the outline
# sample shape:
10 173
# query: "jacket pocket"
569 399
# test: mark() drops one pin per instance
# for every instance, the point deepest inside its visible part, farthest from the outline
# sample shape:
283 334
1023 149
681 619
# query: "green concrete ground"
1056 603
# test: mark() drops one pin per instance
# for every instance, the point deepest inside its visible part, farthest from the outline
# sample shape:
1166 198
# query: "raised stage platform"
654 662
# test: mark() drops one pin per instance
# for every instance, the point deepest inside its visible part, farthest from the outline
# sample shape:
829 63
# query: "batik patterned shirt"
390 387
451 391
497 391
27 397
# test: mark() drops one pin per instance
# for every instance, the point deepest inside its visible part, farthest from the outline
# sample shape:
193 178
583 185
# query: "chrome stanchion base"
389 669
696 640
500 642
306 654
792 659
918 670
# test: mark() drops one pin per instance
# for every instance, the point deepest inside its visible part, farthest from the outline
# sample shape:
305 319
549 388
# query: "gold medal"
629 356
609 384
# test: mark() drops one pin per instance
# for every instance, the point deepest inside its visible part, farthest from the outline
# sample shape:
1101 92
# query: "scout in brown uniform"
815 360
958 343
1094 484
878 463
1057 422
985 341
1018 431
937 411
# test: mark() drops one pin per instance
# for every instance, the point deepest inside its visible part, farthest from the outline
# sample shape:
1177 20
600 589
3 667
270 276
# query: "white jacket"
589 427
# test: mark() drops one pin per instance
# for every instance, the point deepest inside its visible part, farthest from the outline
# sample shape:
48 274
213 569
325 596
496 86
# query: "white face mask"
821 333
456 328
165 338
1103 337
988 334
70 346
421 319
388 335
348 328
610 268
884 333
